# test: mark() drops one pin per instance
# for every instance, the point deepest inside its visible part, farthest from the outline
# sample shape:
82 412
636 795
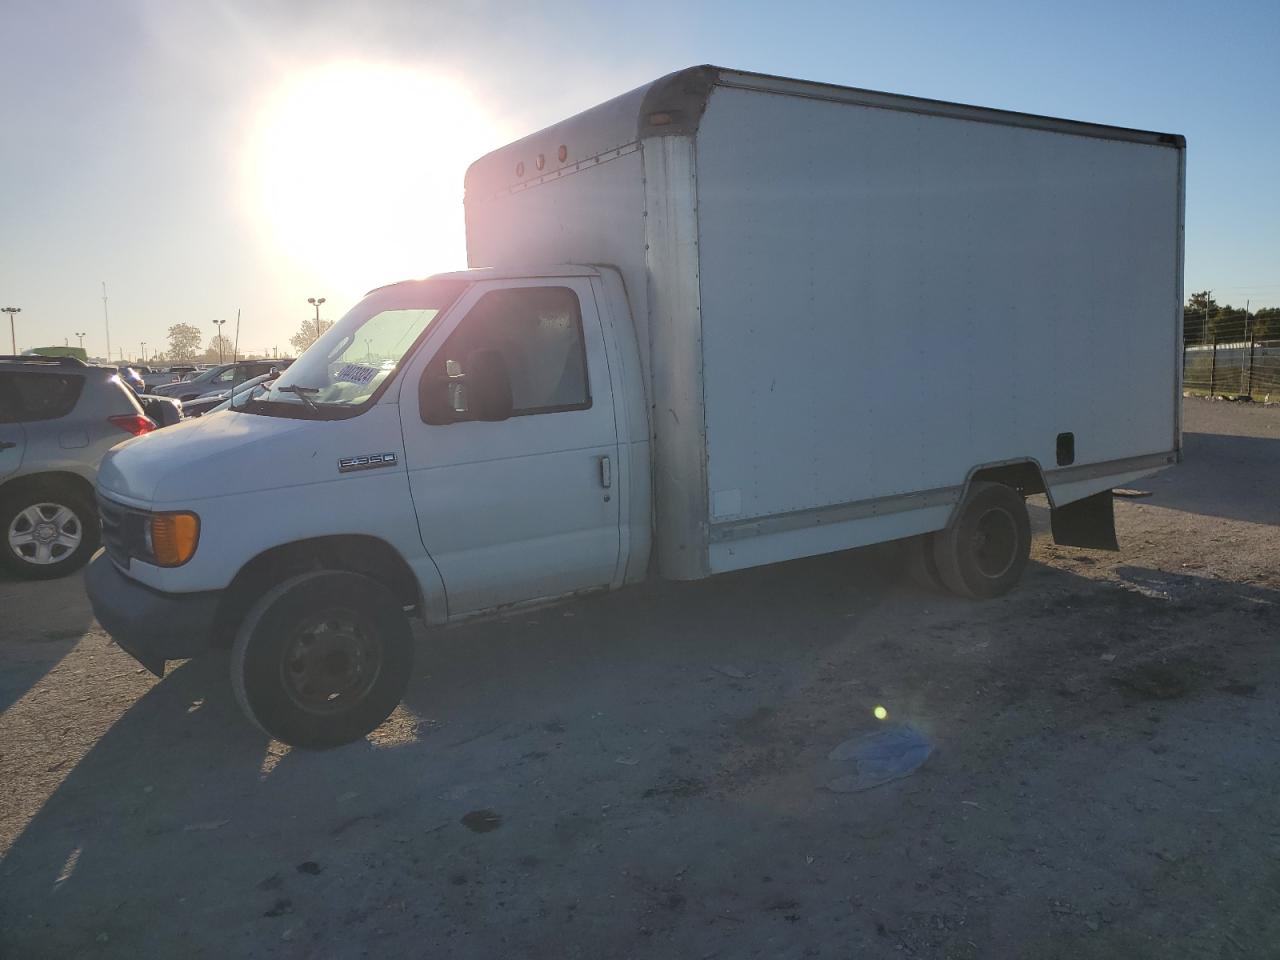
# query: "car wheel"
47 532
322 659
983 552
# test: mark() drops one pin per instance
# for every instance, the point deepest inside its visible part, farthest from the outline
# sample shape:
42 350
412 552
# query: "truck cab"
454 445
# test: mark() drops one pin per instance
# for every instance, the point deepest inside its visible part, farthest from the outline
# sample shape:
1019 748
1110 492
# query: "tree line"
187 344
1204 320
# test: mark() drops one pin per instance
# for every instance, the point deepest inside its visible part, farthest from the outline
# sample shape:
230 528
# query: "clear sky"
204 157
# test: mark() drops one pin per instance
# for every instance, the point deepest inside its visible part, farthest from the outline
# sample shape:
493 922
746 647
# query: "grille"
121 530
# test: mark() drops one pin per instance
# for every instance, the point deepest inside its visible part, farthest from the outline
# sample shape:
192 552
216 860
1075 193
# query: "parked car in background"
131 377
58 416
157 378
212 401
150 377
165 411
225 376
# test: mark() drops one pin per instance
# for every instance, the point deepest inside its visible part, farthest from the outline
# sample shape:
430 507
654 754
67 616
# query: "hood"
227 453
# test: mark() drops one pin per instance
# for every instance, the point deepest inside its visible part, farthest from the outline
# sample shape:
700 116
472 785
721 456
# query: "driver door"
522 508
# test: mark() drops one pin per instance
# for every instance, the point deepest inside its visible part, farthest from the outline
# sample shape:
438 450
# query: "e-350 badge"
370 461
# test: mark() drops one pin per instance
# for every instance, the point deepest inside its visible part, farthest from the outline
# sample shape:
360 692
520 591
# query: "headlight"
163 539
171 538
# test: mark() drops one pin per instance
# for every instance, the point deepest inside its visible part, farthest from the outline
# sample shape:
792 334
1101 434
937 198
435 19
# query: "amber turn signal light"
174 537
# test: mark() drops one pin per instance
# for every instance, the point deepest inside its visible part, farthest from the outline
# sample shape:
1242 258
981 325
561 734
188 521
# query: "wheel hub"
45 533
331 661
994 543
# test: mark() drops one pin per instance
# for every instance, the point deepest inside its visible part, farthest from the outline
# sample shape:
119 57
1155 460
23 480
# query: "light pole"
81 336
144 353
13 339
217 325
106 319
316 303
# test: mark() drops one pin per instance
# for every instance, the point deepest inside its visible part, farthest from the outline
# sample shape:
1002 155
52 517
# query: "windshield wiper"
302 393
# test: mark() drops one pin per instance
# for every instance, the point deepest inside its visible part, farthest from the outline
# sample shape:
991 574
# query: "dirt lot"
646 775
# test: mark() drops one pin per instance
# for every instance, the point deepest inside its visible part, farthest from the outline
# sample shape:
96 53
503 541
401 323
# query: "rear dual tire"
983 552
921 567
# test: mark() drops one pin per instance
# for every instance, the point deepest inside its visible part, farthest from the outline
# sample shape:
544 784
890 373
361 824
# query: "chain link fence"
1230 356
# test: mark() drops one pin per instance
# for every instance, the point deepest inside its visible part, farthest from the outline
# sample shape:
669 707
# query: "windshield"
351 363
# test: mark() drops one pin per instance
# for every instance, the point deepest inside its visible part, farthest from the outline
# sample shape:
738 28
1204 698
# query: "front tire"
46 532
322 659
983 552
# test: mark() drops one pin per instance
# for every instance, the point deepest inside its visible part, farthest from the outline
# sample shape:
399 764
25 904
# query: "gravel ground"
647 774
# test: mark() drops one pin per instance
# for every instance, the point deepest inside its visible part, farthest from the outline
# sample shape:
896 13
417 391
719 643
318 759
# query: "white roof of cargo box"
674 104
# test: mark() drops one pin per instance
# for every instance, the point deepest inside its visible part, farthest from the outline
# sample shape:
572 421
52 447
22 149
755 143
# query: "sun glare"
354 172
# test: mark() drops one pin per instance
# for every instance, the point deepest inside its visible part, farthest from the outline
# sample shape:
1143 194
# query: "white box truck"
720 321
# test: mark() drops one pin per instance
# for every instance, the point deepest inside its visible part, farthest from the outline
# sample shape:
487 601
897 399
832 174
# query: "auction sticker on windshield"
357 373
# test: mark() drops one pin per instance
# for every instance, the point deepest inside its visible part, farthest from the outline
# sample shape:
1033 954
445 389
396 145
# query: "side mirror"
478 390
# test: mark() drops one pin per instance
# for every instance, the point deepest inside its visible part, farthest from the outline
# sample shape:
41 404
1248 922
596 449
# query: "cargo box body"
847 303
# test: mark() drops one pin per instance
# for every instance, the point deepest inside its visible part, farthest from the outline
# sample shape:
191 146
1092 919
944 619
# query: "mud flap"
149 660
1090 522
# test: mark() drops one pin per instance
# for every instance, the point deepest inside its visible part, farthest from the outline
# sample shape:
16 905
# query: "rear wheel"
983 552
47 533
921 566
322 659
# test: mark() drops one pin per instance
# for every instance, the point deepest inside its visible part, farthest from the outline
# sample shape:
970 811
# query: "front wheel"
983 552
322 659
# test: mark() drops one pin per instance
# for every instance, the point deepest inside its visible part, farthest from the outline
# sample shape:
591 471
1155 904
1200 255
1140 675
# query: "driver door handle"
606 472
6 444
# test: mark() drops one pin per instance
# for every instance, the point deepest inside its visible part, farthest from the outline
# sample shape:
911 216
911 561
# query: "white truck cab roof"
476 274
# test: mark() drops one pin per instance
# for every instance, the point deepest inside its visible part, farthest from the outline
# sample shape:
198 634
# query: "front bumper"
150 626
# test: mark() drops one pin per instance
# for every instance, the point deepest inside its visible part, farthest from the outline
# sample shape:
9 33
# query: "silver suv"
58 416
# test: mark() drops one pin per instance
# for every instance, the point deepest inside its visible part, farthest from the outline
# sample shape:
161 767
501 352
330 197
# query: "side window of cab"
517 353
